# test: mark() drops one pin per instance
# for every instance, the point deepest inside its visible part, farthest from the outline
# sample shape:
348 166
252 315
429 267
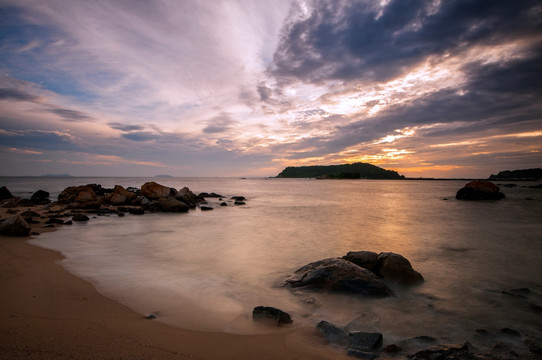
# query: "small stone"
223 204
360 354
80 217
205 208
268 312
239 203
151 316
364 341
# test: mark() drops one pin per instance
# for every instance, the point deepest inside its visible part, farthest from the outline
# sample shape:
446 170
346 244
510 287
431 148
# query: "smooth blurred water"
208 270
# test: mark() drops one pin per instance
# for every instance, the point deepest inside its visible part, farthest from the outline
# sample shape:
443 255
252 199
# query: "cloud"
70 115
124 127
365 40
140 136
18 95
219 124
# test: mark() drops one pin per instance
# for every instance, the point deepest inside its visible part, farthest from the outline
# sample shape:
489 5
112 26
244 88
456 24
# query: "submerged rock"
268 312
15 226
332 333
364 341
172 205
479 190
338 275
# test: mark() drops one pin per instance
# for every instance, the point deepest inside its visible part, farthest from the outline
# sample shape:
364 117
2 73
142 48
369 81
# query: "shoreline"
49 313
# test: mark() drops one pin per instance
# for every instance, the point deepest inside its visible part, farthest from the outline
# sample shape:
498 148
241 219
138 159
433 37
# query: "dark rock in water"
172 205
338 275
136 211
223 204
209 195
239 203
268 312
479 190
155 191
15 226
364 341
186 196
360 354
40 197
206 208
392 349
80 217
69 222
5 193
510 185
510 332
397 268
332 333
29 214
238 198
55 221
151 316
444 352
365 259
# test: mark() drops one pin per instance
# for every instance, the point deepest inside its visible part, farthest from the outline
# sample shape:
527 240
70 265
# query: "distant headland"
518 175
344 171
56 175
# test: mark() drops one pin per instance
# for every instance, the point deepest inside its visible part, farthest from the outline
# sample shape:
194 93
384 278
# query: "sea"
207 270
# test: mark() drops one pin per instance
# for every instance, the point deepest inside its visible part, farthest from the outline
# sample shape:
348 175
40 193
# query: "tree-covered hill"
344 171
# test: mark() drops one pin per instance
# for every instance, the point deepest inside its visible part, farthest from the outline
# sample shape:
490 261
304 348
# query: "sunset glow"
246 88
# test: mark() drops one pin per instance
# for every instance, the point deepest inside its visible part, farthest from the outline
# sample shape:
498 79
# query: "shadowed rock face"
15 226
268 312
479 190
338 275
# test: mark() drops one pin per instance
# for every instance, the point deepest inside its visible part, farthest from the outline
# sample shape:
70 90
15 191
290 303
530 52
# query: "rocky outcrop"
274 314
359 343
479 190
154 191
338 275
80 217
15 226
120 196
187 196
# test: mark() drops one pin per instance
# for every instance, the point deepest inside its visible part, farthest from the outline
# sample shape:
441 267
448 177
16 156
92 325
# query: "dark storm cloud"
15 94
38 139
70 115
140 136
356 40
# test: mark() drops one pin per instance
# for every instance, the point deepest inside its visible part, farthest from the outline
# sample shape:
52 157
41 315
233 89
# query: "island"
518 175
343 171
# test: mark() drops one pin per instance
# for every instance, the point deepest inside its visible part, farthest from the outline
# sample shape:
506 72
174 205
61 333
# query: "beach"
48 313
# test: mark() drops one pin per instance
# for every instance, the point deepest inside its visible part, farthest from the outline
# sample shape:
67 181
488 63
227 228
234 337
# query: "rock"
151 316
55 221
239 203
186 196
479 190
120 196
238 198
80 194
15 226
365 259
364 341
29 214
206 208
154 191
40 197
5 193
211 195
360 354
69 222
510 332
338 275
172 205
223 204
392 349
117 199
332 333
136 211
444 352
397 268
267 312
80 217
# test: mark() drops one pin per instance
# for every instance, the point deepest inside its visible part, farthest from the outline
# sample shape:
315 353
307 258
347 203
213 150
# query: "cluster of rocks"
75 202
359 272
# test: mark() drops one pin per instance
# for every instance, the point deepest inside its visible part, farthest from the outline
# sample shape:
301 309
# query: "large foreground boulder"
15 226
155 191
479 190
338 275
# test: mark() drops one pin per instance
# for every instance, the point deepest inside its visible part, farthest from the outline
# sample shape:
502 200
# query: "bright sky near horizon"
245 88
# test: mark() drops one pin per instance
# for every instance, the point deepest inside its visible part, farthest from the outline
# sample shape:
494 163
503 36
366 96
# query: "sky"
246 88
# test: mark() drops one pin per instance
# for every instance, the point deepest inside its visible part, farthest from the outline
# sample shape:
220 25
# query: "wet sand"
48 313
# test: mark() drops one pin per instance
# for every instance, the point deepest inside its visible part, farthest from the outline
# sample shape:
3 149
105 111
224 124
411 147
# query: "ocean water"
208 270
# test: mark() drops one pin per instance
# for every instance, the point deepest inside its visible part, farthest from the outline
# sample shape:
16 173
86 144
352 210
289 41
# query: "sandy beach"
48 313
